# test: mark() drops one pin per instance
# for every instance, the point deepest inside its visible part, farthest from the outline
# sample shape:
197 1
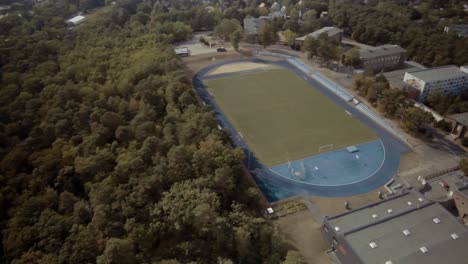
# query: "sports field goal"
325 148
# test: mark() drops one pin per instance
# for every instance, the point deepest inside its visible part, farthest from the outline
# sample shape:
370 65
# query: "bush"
444 125
203 40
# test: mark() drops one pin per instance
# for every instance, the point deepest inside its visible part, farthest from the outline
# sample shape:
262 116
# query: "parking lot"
197 48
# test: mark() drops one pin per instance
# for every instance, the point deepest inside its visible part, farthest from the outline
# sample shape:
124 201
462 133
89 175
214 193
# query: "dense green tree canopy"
106 155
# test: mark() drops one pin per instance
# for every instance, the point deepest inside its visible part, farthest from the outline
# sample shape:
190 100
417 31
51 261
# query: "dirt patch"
241 66
302 231
336 205
196 63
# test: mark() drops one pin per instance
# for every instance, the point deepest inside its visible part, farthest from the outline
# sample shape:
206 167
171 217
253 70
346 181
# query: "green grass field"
281 117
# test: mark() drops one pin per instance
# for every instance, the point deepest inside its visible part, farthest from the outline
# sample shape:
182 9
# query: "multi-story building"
448 80
403 229
382 58
332 32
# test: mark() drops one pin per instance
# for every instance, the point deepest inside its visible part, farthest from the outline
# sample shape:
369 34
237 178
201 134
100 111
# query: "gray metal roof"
460 118
331 31
363 216
439 73
379 51
359 229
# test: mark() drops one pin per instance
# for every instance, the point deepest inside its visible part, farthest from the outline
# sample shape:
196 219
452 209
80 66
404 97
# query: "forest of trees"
106 155
417 29
392 103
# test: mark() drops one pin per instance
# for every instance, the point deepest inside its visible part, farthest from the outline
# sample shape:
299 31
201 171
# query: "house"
404 229
448 80
382 58
460 30
332 32
75 20
459 124
461 200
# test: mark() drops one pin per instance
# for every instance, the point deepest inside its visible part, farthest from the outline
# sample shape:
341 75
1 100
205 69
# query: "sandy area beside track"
241 66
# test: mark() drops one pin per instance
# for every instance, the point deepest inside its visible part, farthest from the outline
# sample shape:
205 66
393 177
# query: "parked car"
221 49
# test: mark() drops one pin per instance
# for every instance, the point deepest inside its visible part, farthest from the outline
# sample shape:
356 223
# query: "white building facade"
448 80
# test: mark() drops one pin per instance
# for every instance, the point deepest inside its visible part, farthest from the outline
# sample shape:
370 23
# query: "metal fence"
345 95
335 88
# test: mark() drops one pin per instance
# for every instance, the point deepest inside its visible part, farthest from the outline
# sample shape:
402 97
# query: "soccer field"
282 118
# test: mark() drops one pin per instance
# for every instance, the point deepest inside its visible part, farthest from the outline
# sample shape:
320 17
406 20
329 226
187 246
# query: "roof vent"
420 199
436 220
388 262
390 211
337 229
372 244
375 215
406 232
423 249
454 236
410 203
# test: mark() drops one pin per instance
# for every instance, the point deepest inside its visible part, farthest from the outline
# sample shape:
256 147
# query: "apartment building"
448 80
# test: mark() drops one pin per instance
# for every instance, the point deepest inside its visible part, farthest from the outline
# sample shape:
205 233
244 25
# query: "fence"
376 118
273 54
336 89
345 95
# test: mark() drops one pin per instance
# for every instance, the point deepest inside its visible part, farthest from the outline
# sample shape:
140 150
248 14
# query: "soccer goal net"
325 148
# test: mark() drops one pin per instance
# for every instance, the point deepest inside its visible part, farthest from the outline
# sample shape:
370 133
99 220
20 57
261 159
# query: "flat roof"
438 73
383 50
399 230
181 50
348 221
331 31
76 19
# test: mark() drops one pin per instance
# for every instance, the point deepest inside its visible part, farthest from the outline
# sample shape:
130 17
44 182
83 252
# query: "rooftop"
438 73
76 19
460 29
181 50
460 118
383 50
331 31
404 229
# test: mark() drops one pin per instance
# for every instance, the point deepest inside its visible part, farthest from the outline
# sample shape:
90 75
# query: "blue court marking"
328 169
276 187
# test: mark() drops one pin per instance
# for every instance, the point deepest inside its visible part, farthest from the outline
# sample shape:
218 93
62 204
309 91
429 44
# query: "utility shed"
405 229
75 20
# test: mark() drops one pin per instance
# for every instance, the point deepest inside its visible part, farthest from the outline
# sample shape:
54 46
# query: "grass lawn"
281 117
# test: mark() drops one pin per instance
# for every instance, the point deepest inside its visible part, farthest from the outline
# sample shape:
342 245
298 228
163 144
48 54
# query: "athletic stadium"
301 133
